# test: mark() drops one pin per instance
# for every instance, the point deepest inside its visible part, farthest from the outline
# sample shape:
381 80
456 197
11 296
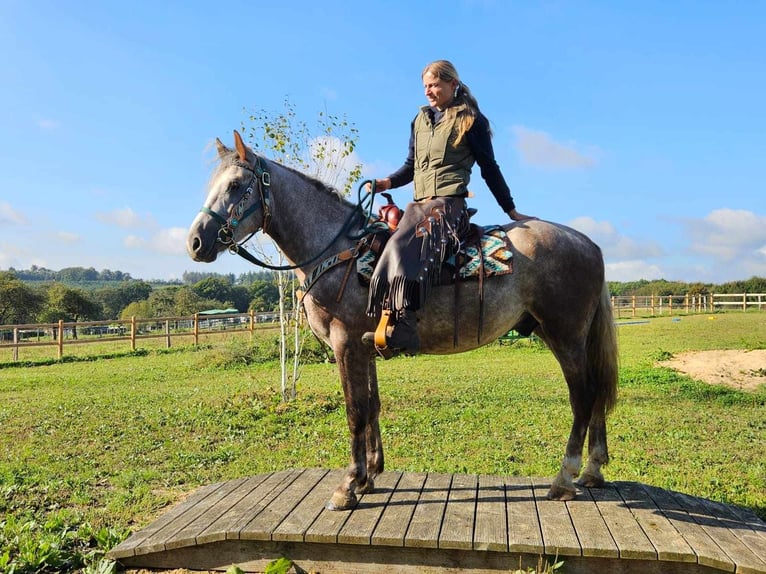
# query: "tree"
264 296
327 154
114 299
222 289
19 303
64 303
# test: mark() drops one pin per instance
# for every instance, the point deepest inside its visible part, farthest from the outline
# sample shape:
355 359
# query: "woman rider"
447 137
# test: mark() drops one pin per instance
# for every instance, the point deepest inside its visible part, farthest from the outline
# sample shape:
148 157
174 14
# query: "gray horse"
557 290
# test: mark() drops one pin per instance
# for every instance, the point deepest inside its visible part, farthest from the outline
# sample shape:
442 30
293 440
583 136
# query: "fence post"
167 333
633 306
670 305
196 329
61 339
16 343
133 333
252 324
744 301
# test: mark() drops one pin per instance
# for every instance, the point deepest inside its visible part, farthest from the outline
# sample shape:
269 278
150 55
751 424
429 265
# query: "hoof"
342 501
366 488
561 493
591 481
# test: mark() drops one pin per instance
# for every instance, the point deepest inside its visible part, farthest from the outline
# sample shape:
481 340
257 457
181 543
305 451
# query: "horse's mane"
231 157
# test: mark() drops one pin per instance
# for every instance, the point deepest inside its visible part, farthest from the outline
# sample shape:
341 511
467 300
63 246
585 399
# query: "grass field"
94 449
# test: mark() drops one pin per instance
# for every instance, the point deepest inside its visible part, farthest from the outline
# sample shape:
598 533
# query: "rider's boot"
401 337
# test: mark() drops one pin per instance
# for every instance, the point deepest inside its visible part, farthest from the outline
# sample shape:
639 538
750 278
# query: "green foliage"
279 566
54 542
324 152
237 353
18 302
94 449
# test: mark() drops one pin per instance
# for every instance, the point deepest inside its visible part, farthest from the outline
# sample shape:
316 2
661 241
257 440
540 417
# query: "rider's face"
438 92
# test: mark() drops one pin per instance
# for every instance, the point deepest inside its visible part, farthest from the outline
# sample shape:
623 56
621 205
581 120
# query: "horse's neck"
305 220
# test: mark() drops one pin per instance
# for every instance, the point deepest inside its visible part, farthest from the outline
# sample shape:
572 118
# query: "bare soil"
742 370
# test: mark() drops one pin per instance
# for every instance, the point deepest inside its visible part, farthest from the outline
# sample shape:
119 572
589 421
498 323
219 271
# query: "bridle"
260 181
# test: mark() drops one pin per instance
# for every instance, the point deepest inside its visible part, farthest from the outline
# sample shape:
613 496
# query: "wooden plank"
251 505
210 532
265 522
327 525
668 543
460 513
294 526
744 524
707 550
128 547
159 539
201 515
747 562
592 531
392 527
426 522
631 540
491 528
360 525
524 533
559 536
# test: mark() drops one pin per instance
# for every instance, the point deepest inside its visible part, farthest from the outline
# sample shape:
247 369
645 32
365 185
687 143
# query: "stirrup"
381 332
380 337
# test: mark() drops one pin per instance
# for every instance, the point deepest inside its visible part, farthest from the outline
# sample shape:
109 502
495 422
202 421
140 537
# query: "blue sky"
640 123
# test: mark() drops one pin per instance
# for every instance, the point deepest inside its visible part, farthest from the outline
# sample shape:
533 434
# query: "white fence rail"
654 305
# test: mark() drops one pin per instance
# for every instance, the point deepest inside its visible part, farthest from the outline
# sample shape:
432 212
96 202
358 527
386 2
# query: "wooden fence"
658 305
166 329
194 327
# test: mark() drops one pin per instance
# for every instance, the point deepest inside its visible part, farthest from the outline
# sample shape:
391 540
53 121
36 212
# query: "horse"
556 290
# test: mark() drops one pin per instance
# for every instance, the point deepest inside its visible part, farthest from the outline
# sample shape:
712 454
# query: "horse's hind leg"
581 399
598 453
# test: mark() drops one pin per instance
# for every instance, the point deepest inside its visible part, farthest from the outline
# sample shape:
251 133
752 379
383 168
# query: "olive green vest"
441 168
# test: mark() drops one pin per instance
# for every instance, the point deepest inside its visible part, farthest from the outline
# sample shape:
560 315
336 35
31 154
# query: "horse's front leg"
374 443
353 361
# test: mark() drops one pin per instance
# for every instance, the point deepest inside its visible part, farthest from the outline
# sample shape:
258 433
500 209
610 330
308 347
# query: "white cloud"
632 271
539 149
614 245
10 216
728 234
67 237
171 241
125 218
48 124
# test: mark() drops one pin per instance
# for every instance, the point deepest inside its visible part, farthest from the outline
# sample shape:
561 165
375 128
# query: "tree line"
37 301
40 295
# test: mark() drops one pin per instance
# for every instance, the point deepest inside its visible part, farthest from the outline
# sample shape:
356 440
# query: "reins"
262 180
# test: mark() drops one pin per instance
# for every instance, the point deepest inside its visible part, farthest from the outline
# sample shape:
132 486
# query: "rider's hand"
381 185
516 216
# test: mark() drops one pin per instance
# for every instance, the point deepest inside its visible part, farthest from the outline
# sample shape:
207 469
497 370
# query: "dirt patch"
743 370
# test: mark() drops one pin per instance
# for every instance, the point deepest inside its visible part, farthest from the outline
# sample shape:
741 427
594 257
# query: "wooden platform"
446 523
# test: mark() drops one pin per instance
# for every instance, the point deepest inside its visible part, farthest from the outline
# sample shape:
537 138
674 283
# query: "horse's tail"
602 353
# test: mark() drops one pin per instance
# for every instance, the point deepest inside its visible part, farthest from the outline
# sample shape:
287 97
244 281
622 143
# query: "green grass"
95 449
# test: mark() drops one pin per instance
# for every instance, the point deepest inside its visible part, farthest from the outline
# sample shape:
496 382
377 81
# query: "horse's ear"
240 145
222 149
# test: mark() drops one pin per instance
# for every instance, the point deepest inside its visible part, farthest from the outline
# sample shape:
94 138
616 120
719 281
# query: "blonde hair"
445 70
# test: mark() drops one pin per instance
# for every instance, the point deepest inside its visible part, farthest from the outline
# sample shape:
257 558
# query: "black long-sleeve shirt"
479 142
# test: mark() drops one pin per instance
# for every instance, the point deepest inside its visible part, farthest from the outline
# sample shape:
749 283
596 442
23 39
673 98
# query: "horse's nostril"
196 244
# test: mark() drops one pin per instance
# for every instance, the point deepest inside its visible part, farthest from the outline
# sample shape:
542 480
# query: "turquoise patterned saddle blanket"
494 257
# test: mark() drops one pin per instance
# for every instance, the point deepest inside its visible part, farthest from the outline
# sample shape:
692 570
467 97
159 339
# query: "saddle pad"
495 249
495 252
